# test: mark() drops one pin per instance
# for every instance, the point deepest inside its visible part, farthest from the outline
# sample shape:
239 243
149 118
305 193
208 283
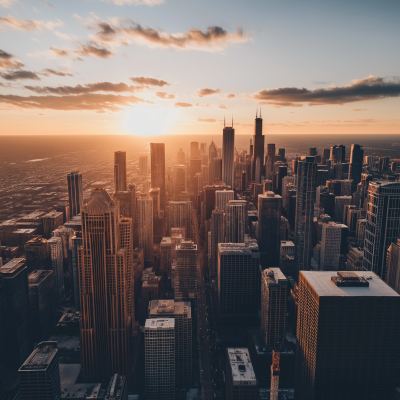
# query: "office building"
63 206
40 375
37 252
41 300
143 168
331 242
212 154
117 389
17 341
120 171
145 227
228 152
354 318
274 292
340 203
186 270
216 236
209 198
393 266
105 321
158 170
66 235
239 285
56 255
312 151
235 221
159 341
180 216
194 150
182 313
383 224
51 221
76 242
269 218
241 382
2 336
305 212
165 255
222 198
75 193
258 149
355 260
356 163
325 156
181 156
287 262
179 180
127 202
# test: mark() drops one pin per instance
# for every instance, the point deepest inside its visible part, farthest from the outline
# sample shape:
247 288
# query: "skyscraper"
331 242
356 163
76 242
40 375
212 154
235 221
217 236
2 336
269 218
194 150
120 171
228 151
346 323
258 150
143 169
159 341
105 322
145 226
75 193
393 266
274 292
37 253
383 224
222 198
179 180
180 216
238 285
186 270
158 170
55 245
340 203
305 212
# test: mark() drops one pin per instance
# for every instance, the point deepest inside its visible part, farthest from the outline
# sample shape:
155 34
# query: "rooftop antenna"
256 112
224 121
260 111
232 120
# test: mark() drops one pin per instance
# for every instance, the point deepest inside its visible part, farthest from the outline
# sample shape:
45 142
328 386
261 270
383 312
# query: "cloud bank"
207 92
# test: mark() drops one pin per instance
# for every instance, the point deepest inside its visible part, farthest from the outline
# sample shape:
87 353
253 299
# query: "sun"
148 121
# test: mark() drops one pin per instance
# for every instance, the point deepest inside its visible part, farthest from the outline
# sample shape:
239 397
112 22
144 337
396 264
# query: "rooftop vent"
349 279
242 368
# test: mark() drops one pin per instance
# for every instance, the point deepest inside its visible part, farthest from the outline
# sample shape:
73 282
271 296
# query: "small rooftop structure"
160 323
241 366
237 248
41 357
12 266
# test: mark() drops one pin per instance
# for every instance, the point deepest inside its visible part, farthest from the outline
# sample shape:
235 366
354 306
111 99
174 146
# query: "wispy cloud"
136 2
164 95
29 24
207 92
60 52
230 96
49 71
179 104
7 3
88 88
371 88
206 120
149 81
358 109
93 49
7 61
19 75
223 107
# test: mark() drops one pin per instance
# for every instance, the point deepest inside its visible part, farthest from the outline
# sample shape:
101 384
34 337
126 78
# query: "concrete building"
393 266
356 163
57 266
76 242
120 171
66 235
182 313
228 152
186 271
158 170
165 255
222 198
127 202
235 221
340 203
274 292
159 341
51 221
145 227
354 318
216 236
75 193
331 242
180 216
143 168
41 301
383 224
39 375
355 260
241 382
179 180
37 252
238 285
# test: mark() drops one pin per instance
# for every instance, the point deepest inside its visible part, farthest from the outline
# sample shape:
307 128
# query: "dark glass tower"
158 170
75 193
356 163
258 149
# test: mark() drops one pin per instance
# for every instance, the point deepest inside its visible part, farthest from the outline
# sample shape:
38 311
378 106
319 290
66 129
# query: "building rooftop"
24 231
12 266
41 357
274 276
54 239
237 248
241 366
36 241
33 215
160 323
322 283
165 241
53 214
269 195
38 275
286 243
157 307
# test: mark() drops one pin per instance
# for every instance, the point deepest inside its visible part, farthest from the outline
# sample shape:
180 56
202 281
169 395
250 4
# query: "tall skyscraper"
331 242
269 219
120 171
238 285
346 323
194 150
55 245
228 152
105 322
51 221
274 292
216 236
181 156
41 300
312 151
393 266
180 216
212 154
222 198
186 270
40 375
127 202
75 193
158 170
235 221
143 168
356 163
179 180
145 227
306 174
258 150
76 242
340 203
37 253
181 311
159 342
2 336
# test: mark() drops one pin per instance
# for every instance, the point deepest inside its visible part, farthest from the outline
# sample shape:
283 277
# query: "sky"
151 67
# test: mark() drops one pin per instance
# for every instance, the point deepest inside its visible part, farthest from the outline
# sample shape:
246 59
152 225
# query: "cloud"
93 49
164 95
136 2
59 52
223 107
88 102
48 4
358 109
202 105
28 24
183 104
18 75
207 92
230 96
206 120
7 61
7 3
83 89
149 81
49 71
276 104
371 88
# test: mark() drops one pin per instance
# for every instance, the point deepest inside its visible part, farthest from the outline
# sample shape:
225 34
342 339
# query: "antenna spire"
232 120
224 121
260 111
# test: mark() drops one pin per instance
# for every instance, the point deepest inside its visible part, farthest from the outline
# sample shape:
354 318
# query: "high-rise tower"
356 164
158 170
258 149
75 193
228 152
145 226
120 171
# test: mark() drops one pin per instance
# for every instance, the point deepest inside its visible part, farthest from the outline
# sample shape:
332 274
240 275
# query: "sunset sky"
179 66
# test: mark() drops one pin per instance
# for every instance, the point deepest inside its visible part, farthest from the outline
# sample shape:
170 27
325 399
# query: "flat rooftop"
41 357
237 248
159 307
69 389
286 243
38 275
166 241
53 214
274 275
323 285
241 366
12 265
160 323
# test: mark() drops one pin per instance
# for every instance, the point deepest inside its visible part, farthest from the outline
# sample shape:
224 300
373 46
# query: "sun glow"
147 121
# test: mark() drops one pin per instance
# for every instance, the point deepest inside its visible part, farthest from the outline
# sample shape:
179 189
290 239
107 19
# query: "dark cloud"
88 88
91 102
183 104
164 95
59 52
370 88
207 92
277 104
18 75
93 49
49 71
5 55
28 24
107 32
230 96
148 81
7 61
206 120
